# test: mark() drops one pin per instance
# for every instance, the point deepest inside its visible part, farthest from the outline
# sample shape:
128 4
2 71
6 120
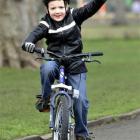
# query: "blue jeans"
49 72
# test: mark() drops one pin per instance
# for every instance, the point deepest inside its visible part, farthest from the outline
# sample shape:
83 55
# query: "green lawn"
115 83
113 88
108 32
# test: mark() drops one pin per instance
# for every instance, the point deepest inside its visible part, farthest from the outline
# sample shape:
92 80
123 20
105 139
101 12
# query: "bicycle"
61 100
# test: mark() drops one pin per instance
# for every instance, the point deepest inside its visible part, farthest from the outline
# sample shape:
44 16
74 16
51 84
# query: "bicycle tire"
61 119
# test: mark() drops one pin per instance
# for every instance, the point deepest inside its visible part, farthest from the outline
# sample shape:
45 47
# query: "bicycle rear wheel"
61 119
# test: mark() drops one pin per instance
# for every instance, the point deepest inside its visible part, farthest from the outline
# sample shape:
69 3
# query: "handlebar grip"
97 54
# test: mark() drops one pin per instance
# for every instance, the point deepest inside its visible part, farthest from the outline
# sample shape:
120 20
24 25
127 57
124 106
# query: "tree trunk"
17 19
120 13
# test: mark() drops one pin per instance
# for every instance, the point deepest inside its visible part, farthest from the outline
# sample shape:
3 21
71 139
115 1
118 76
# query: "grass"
18 116
113 88
109 32
116 82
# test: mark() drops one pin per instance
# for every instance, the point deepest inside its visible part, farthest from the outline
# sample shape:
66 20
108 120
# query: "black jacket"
64 38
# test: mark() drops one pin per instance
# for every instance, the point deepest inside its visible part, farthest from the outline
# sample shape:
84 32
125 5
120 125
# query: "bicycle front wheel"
61 119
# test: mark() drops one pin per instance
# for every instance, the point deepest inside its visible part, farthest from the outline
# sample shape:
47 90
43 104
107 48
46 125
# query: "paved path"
121 130
123 127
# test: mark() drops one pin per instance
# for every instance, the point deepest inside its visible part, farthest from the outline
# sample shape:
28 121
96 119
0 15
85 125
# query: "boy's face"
57 10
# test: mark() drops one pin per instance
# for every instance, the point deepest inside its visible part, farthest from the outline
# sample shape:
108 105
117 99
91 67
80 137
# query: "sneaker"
42 104
91 135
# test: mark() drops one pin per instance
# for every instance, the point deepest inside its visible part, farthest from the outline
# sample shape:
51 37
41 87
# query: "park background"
113 87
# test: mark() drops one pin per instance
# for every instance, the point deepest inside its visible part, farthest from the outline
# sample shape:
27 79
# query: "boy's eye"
61 7
52 8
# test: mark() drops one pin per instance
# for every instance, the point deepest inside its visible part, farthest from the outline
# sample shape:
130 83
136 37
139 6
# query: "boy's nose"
57 10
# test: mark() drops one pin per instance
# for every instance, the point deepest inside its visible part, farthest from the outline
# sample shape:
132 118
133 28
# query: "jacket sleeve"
37 34
83 13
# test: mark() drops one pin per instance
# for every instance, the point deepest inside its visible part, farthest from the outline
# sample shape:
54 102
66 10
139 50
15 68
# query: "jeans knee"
48 69
43 69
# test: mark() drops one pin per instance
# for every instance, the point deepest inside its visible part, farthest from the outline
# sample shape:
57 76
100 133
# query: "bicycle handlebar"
82 55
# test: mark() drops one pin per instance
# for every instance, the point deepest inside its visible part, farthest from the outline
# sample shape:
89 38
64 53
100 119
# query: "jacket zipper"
64 47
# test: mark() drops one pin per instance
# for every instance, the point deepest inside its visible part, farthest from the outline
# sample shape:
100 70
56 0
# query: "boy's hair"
47 1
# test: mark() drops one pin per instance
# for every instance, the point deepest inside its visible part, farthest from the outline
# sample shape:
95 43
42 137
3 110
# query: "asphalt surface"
120 130
122 127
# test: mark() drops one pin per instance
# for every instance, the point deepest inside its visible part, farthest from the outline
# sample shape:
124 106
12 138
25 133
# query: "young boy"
61 26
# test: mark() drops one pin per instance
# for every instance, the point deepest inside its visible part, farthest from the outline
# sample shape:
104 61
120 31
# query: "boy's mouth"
58 16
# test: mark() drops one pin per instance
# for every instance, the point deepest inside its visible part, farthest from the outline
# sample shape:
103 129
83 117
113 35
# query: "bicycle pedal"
38 96
45 110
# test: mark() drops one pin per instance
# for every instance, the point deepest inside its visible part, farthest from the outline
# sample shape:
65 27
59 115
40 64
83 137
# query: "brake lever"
42 56
97 61
47 59
39 58
89 60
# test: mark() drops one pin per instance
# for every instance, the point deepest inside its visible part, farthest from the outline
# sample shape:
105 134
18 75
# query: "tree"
120 12
17 17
